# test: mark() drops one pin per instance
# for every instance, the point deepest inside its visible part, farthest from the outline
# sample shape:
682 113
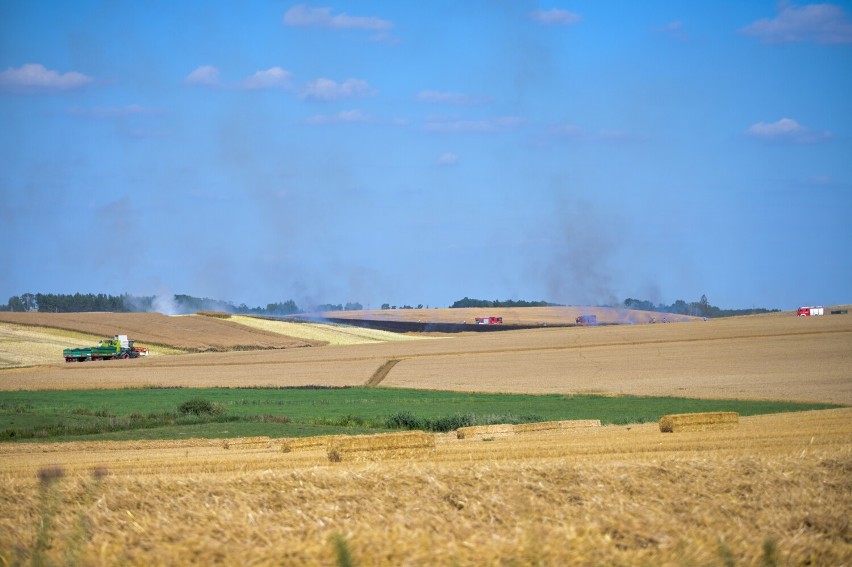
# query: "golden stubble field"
790 358
774 490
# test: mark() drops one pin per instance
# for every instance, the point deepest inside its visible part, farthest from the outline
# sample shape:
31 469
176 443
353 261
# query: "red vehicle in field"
810 311
489 320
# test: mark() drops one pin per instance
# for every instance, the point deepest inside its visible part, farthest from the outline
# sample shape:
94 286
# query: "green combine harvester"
108 349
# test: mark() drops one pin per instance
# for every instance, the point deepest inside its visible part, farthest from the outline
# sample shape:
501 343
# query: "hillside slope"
188 332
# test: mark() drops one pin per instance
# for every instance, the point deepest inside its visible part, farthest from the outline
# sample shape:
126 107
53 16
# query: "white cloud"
327 90
451 98
34 76
448 158
304 15
344 117
786 130
270 78
555 17
820 23
206 75
498 124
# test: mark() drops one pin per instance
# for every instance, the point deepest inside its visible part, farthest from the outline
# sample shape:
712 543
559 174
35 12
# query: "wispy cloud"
275 77
451 98
498 124
329 90
34 76
555 17
112 112
344 117
448 159
206 75
672 29
306 16
571 132
786 130
819 23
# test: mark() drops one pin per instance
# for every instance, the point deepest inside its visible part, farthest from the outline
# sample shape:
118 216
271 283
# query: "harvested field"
320 332
22 346
775 490
320 442
511 315
698 421
383 446
556 425
186 332
483 431
786 358
261 442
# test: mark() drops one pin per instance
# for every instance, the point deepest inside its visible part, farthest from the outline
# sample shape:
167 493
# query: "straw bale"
299 443
381 446
247 443
556 425
480 431
698 421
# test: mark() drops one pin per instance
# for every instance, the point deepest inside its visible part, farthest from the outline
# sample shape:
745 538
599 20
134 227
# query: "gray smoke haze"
578 252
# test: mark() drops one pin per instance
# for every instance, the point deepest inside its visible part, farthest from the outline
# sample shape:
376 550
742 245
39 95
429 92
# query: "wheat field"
768 490
775 490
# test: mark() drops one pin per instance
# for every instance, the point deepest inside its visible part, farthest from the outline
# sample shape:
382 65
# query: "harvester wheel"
125 355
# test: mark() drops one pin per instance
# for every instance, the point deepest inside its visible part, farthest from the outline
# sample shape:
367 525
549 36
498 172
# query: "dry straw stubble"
556 425
380 447
481 431
674 423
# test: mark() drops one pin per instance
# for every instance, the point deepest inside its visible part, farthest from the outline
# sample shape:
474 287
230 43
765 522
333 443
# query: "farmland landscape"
775 488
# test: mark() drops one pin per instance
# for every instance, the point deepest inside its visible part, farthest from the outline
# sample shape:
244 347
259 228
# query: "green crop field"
156 413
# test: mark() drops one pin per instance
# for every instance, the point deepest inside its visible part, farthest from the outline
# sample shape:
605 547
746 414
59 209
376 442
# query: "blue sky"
419 152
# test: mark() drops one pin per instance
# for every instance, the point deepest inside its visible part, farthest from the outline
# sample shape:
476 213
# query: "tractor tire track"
381 373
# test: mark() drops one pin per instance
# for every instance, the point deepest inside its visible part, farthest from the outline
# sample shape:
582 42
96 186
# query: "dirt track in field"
191 332
789 358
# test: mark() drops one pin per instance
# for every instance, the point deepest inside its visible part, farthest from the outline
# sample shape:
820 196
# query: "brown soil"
189 332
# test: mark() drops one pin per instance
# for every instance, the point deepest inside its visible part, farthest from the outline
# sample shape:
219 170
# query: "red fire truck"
489 320
810 311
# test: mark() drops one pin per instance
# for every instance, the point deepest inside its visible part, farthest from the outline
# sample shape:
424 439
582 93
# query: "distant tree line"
468 302
183 304
700 308
126 303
